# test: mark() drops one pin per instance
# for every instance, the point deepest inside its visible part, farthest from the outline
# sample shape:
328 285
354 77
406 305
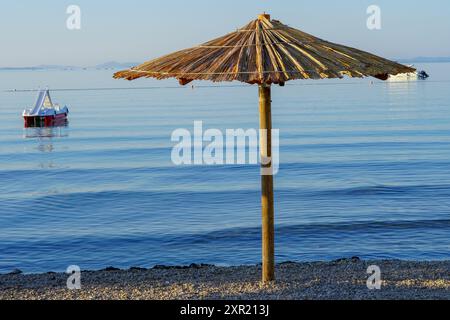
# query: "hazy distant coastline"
425 60
104 66
124 65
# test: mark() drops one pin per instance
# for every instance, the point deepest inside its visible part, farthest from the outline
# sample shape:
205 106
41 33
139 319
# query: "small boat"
411 76
422 75
45 113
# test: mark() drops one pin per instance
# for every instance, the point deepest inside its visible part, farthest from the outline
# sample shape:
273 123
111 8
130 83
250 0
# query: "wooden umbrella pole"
265 116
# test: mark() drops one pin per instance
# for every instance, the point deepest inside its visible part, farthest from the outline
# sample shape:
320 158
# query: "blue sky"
34 32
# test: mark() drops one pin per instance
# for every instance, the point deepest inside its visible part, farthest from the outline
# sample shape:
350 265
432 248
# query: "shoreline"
343 279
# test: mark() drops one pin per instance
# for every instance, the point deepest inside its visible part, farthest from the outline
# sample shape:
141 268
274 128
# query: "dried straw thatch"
265 51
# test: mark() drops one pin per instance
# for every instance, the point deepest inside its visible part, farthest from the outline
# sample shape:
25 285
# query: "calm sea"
365 171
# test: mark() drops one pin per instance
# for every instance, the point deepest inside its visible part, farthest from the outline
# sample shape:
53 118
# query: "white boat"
45 113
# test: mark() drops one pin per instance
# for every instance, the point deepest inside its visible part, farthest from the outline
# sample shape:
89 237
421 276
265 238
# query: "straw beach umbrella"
265 52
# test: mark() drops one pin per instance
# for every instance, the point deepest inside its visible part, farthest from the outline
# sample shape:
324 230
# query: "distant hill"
55 67
106 65
43 67
425 60
116 65
125 65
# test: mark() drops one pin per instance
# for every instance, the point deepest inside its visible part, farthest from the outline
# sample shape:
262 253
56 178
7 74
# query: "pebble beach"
343 279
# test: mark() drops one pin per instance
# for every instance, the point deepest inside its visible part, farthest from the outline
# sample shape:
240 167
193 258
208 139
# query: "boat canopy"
43 101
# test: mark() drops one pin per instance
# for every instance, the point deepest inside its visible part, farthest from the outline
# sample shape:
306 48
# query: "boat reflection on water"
60 131
45 135
401 89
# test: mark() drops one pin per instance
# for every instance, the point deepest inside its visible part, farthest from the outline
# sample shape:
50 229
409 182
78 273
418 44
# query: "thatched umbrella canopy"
266 52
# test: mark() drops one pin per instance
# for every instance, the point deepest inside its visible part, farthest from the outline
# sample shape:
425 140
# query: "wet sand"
341 279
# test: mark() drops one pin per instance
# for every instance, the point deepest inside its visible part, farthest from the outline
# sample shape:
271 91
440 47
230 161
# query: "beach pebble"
137 269
16 271
110 269
343 279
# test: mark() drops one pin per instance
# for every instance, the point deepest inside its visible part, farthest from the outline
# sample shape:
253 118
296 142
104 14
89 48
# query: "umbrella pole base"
267 202
268 262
